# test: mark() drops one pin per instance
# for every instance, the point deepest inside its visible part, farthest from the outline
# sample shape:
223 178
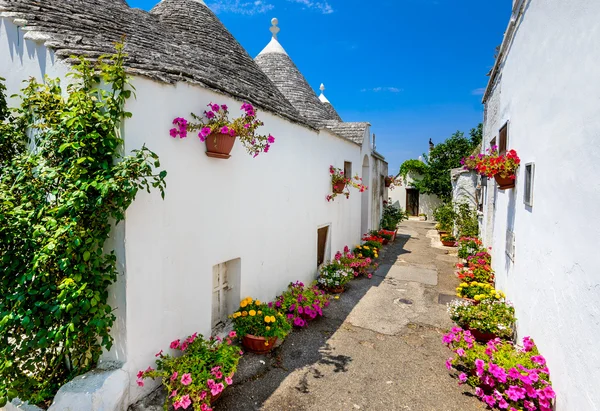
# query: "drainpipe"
507 38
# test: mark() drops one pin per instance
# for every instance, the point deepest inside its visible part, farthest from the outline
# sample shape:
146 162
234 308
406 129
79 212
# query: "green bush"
56 207
445 216
466 220
391 217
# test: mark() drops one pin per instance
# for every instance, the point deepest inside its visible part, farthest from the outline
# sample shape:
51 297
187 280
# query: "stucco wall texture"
549 93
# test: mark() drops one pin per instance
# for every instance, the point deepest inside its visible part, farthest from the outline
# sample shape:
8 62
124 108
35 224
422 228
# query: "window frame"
503 139
528 200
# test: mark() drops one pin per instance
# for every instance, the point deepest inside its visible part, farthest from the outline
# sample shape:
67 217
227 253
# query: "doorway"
412 201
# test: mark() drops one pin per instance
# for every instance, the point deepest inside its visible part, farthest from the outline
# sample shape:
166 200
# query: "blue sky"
414 69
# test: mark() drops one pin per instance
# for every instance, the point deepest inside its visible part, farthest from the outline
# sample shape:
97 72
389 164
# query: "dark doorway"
412 201
321 244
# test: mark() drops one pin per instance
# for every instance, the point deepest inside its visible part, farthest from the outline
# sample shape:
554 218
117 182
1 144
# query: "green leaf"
86 256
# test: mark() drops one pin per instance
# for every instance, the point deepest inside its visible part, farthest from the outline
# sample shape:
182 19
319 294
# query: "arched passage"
365 211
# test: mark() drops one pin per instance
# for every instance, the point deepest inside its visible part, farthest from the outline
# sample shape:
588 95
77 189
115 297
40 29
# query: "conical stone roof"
179 40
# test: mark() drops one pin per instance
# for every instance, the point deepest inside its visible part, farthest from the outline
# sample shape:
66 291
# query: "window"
348 169
225 292
322 234
503 139
528 192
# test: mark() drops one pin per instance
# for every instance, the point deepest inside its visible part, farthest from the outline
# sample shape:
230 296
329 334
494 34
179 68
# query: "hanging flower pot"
219 145
338 188
258 345
504 183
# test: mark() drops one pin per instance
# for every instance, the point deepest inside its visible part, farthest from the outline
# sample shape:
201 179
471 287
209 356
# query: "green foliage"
187 376
495 317
476 135
466 221
260 320
391 217
414 166
57 203
445 215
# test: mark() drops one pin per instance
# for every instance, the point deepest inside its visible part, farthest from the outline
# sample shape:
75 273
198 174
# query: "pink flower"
271 139
224 130
203 395
210 115
241 352
224 107
185 402
462 377
158 354
246 126
215 107
449 363
218 375
184 346
266 150
186 379
232 334
502 403
173 394
229 380
460 352
173 132
515 393
205 407
175 344
370 275
140 374
140 382
174 376
177 404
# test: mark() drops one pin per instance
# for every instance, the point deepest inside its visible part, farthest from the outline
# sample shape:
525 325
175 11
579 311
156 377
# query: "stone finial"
322 96
322 88
274 29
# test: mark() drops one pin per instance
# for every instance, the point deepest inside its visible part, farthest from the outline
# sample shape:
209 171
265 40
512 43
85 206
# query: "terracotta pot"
219 145
335 290
472 301
338 188
216 398
449 243
388 183
442 233
385 241
504 183
257 345
480 336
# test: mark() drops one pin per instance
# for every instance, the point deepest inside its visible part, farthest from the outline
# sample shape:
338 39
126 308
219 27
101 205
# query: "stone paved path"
378 348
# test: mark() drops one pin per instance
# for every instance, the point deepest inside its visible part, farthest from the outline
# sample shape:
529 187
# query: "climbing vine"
63 183
415 166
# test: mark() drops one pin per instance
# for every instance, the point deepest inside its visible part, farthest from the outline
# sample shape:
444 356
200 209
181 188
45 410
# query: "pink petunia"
173 394
140 382
229 380
449 363
174 376
158 354
173 132
185 402
462 377
271 139
186 379
175 344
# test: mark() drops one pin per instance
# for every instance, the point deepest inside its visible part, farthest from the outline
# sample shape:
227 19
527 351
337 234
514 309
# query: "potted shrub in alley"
391 217
488 320
359 266
219 132
199 375
477 291
334 276
449 241
301 304
340 183
422 217
259 325
502 167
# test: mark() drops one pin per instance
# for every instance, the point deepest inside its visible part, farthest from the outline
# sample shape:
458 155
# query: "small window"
322 234
348 169
503 139
528 192
225 292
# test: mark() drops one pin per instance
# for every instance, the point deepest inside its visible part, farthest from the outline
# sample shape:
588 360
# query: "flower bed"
334 276
487 320
301 303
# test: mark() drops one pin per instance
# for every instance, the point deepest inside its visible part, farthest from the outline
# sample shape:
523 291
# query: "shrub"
204 370
492 317
468 246
258 319
57 206
391 217
445 216
300 303
467 223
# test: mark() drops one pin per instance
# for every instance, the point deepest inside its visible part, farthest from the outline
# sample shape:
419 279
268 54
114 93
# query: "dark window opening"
503 140
348 169
321 244
528 192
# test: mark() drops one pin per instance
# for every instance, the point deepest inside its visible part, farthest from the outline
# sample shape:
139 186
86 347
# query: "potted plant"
422 217
468 246
488 320
199 375
334 276
359 266
340 183
381 235
477 292
219 132
449 241
300 303
367 251
502 167
259 325
388 181
387 234
391 217
445 216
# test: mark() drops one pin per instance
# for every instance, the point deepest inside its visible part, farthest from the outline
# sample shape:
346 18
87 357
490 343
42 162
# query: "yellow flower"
359 247
463 285
337 297
252 313
477 297
257 302
367 248
267 319
243 303
259 312
360 255
267 328
273 319
244 313
266 343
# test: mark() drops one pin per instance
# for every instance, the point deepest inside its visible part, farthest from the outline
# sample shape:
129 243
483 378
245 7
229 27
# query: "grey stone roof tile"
179 40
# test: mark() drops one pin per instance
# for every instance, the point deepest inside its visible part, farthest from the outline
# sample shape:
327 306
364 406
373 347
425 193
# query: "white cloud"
383 89
241 7
478 91
322 6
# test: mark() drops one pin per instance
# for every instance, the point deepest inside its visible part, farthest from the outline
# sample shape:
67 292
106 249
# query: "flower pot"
385 241
258 345
422 218
443 233
481 336
472 301
338 188
335 290
449 243
504 183
219 145
388 183
216 398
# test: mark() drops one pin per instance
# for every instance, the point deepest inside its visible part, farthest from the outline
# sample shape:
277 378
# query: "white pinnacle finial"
322 88
274 29
322 96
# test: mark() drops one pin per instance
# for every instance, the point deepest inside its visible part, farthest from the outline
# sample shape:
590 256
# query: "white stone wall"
549 92
427 202
464 187
264 211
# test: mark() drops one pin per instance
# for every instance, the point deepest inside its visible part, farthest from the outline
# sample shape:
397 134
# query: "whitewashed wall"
464 187
549 92
427 202
264 211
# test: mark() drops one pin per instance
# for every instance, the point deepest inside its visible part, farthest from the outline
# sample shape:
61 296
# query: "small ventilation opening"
225 292
322 239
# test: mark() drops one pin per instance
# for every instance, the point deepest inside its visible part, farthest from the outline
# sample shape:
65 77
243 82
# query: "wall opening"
528 192
348 169
225 292
412 201
322 244
503 139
